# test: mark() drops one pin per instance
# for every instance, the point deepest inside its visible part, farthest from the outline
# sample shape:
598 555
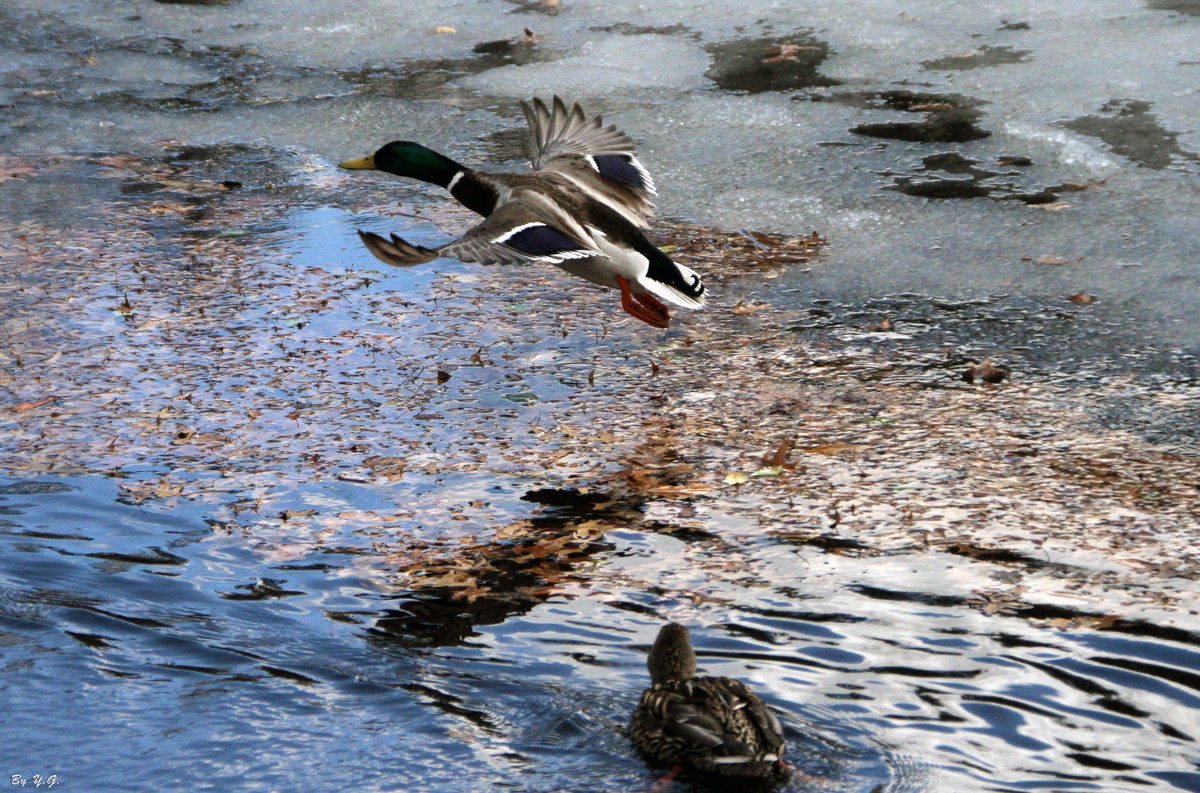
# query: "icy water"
143 649
274 517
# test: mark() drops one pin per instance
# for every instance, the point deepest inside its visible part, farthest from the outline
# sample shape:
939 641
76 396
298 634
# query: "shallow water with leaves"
275 517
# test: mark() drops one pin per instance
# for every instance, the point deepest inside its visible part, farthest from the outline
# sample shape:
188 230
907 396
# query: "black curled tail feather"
665 271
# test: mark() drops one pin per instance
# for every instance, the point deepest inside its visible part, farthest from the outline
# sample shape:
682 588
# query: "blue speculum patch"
619 167
542 241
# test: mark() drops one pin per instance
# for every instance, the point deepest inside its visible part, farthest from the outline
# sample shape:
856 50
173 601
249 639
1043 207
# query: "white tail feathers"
741 758
670 293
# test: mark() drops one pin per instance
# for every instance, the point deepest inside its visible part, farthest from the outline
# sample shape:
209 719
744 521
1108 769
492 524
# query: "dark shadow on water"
1129 128
982 57
769 63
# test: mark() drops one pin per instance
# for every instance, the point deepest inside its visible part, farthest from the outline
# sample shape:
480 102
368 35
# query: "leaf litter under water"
230 375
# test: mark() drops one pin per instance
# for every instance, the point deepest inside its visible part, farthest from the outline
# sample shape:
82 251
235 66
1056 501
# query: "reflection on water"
142 650
418 527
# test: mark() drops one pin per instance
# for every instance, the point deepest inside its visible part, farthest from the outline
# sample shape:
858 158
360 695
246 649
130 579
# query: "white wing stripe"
515 230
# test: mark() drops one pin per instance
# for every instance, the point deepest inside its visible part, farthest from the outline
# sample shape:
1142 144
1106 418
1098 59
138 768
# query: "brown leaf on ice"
445 29
1082 299
1053 261
1075 187
931 107
787 52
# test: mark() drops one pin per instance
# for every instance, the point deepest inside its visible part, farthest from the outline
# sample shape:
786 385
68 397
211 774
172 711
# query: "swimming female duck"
711 725
581 209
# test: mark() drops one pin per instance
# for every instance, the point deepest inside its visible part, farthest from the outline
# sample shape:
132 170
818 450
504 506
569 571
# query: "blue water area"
142 648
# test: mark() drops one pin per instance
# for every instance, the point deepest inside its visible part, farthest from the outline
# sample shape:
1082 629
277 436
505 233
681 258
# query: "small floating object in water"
714 726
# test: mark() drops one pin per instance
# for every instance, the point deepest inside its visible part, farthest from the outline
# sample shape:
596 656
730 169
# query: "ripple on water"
131 676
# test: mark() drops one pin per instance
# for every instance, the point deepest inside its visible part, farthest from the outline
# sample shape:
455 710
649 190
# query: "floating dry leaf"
32 405
779 457
774 470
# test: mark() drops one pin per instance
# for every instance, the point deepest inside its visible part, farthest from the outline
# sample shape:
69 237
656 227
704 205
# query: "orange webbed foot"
643 306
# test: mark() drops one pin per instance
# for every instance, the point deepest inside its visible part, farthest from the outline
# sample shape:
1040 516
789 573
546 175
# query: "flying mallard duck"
713 725
581 209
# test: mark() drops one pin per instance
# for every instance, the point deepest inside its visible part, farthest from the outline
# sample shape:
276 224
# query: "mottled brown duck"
712 726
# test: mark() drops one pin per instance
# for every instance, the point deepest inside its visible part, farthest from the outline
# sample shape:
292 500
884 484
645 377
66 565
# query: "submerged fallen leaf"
165 489
124 309
749 308
883 325
830 449
986 372
31 405
736 478
681 490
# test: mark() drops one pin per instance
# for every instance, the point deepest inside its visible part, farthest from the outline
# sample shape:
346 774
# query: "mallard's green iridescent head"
405 158
672 656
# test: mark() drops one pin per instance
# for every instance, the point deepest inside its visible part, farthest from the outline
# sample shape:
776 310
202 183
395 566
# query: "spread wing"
599 159
556 131
514 234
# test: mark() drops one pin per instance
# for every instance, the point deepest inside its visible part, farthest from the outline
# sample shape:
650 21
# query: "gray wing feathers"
397 251
559 132
516 233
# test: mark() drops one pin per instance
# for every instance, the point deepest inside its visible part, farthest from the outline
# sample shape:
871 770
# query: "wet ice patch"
604 66
1067 148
